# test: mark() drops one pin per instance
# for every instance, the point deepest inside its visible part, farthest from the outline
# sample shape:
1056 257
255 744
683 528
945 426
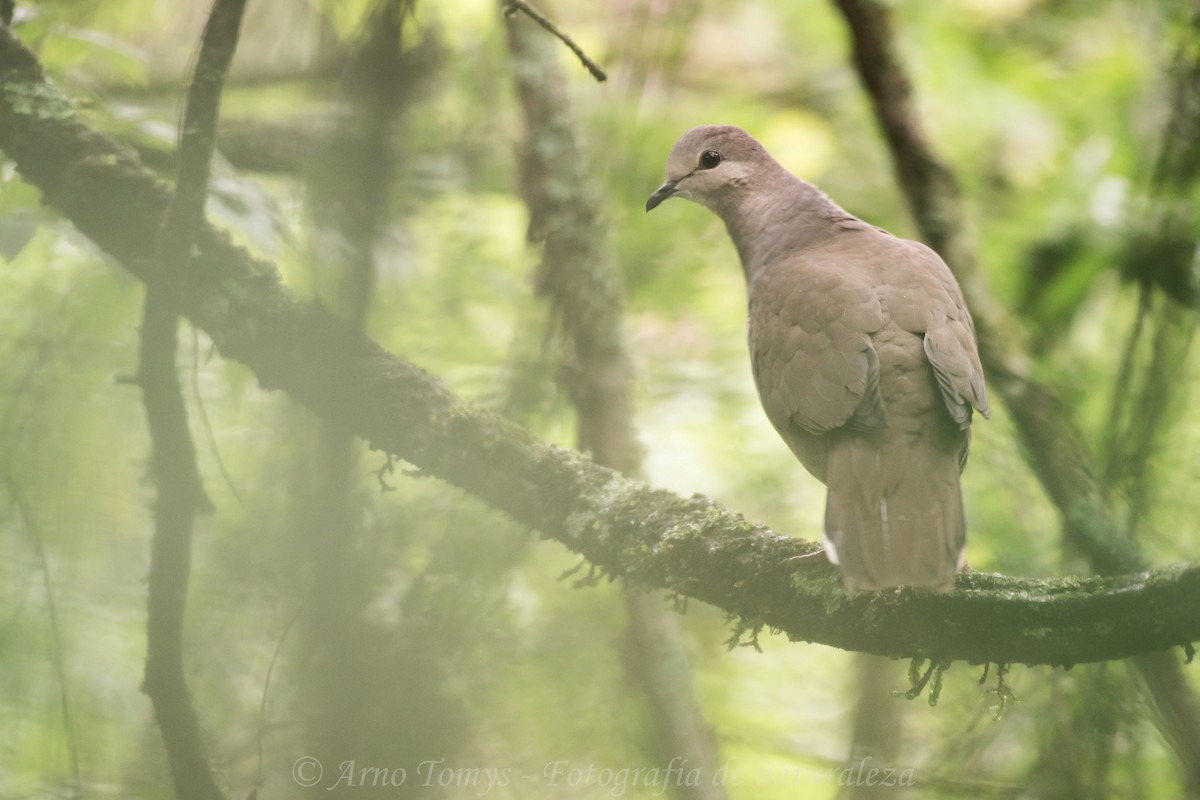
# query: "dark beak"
663 192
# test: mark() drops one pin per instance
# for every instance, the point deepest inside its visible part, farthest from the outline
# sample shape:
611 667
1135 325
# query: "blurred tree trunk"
578 275
878 715
375 697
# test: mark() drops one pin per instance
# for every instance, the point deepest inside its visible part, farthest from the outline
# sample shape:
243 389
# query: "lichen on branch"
653 538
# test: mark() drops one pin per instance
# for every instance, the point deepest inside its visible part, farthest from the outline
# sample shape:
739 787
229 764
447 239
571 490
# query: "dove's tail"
894 514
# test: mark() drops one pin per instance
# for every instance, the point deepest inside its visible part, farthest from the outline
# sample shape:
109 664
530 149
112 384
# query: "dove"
864 356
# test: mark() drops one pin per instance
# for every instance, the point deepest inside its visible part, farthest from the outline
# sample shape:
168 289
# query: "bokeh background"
401 620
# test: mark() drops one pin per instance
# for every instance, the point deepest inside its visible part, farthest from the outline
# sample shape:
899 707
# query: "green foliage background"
1050 113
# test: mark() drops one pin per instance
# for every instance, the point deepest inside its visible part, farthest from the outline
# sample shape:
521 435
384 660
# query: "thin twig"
29 523
514 6
262 706
206 423
1118 410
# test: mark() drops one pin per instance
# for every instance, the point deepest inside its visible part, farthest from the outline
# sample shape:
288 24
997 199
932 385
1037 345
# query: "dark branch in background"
654 538
1146 400
580 278
1169 262
1054 446
286 146
1172 315
511 7
274 145
173 458
1159 256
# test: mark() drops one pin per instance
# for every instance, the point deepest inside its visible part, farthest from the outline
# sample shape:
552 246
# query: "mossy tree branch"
653 538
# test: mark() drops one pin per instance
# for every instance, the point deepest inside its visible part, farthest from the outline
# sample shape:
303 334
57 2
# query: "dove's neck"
781 216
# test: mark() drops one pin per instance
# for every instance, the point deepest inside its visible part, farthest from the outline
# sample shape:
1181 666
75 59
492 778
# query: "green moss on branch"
652 537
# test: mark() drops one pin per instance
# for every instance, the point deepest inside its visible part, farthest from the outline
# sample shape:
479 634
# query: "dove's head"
714 165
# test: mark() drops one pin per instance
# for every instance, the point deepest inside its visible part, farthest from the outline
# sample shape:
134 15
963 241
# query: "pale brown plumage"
864 356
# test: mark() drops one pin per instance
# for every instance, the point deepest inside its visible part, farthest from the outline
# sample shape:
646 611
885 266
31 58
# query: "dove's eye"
709 159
